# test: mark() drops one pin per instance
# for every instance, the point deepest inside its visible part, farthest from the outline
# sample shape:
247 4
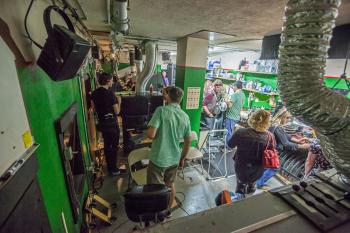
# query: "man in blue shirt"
165 79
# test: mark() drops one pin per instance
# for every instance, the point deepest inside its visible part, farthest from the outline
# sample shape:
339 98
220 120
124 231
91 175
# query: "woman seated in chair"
285 141
250 143
316 161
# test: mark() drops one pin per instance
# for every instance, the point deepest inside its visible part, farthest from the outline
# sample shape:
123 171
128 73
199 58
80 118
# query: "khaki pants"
161 175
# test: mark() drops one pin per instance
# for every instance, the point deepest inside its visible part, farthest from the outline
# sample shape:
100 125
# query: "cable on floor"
180 203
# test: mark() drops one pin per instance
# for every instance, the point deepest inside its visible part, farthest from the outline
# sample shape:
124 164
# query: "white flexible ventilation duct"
305 40
150 66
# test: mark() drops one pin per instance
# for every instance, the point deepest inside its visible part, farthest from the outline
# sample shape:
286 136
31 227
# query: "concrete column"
191 64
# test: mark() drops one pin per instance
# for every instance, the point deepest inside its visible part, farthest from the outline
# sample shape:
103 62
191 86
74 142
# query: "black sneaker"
168 214
116 173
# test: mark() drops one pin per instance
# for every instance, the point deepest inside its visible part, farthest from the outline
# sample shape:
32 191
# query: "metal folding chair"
138 169
195 153
216 146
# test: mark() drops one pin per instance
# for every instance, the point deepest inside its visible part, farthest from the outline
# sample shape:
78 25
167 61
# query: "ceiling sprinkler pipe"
149 68
120 20
305 39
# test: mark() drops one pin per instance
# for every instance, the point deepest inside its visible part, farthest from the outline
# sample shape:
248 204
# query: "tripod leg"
347 84
336 83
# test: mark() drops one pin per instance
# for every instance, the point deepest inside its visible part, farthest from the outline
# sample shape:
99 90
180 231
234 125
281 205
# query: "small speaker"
138 54
165 56
64 51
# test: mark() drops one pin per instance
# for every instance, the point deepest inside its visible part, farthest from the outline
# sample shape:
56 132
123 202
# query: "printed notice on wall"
193 94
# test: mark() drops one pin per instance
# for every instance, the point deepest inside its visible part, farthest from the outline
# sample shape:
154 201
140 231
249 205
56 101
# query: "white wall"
336 67
13 12
231 60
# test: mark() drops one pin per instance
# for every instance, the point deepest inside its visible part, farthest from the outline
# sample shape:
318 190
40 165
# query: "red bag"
270 155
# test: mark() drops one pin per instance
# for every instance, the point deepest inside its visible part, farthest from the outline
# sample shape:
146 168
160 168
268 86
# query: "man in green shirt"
169 125
235 105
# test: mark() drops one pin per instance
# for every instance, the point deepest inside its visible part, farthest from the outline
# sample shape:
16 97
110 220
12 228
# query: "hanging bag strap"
268 139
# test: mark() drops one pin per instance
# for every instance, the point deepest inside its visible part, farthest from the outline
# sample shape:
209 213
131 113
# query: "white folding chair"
195 153
138 160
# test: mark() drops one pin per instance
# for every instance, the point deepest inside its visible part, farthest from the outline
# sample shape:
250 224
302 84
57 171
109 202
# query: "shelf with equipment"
226 81
256 98
260 92
263 99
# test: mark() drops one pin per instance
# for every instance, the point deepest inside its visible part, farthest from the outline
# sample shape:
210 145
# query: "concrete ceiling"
173 19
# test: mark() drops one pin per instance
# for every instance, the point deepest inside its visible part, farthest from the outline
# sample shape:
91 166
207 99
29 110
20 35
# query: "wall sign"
193 94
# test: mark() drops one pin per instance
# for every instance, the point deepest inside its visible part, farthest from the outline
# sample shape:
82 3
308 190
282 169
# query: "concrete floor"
196 193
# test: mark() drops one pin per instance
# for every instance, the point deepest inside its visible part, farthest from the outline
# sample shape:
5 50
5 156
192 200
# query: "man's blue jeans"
268 174
230 126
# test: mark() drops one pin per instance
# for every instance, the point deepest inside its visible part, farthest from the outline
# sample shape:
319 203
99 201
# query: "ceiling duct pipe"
150 66
305 39
120 20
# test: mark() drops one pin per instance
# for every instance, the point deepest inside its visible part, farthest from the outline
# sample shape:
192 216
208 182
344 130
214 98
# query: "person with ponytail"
285 141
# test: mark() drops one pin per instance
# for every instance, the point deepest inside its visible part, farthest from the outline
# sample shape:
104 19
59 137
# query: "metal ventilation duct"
305 39
120 20
150 66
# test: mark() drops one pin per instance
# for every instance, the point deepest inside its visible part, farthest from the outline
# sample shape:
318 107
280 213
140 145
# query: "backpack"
226 197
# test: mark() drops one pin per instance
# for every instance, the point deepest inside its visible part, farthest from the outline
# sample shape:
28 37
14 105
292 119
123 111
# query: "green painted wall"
123 65
107 67
191 77
158 68
265 79
330 82
45 101
271 79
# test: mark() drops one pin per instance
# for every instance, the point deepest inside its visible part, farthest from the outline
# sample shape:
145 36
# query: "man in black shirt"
107 107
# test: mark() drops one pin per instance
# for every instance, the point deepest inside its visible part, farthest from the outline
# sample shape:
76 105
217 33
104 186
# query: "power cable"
235 41
180 203
26 28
